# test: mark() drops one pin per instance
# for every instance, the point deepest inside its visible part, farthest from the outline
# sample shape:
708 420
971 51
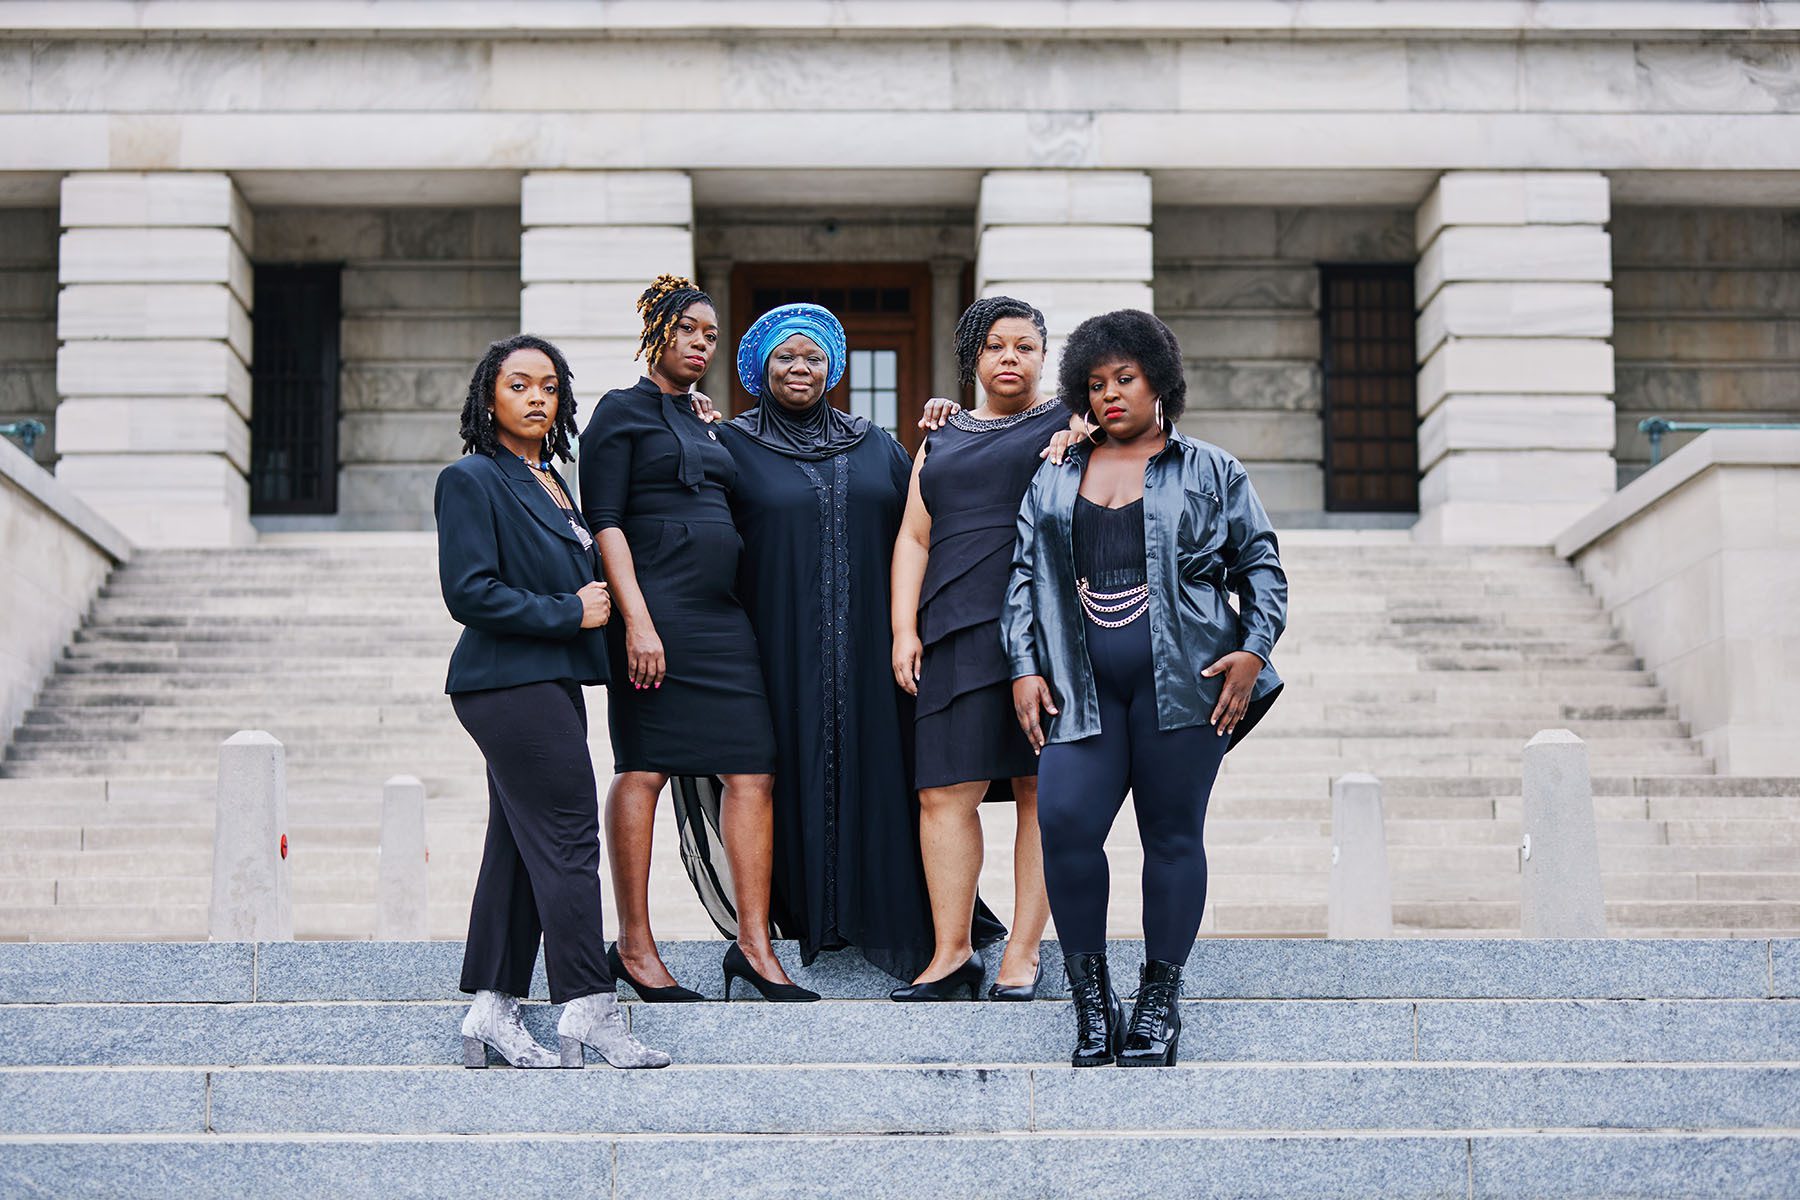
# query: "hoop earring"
1159 413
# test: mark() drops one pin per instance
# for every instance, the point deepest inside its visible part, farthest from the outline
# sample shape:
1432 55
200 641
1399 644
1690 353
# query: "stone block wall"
57 554
424 292
1240 288
28 321
1707 320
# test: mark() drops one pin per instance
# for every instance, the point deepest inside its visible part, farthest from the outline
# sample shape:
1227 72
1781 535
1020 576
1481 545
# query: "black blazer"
510 565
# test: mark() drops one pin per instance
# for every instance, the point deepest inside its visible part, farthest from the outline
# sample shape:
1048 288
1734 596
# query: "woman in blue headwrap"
818 501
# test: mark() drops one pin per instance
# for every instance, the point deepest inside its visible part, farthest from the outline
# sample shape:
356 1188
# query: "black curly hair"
661 306
477 413
1126 333
976 322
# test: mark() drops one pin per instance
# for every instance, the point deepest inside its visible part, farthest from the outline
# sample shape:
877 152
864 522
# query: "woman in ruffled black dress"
949 580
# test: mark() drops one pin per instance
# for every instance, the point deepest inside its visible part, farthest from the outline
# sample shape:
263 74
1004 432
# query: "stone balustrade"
1698 562
57 553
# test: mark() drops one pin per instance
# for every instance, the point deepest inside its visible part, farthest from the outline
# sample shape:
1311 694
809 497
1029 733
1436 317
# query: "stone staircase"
1412 1068
1428 666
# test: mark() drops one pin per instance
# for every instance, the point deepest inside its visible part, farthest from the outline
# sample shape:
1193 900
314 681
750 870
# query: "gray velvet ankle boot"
493 1021
598 1021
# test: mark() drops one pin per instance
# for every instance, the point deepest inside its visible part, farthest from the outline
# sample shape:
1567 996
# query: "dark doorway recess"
294 392
886 311
1370 409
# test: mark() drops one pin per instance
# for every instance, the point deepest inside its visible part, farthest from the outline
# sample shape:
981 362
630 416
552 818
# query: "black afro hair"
1127 333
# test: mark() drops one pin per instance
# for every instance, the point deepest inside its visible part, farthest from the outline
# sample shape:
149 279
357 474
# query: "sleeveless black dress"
972 481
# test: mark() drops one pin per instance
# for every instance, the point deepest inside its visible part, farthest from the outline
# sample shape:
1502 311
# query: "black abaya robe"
818 546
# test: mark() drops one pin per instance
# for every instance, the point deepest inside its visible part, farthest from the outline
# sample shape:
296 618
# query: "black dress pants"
540 867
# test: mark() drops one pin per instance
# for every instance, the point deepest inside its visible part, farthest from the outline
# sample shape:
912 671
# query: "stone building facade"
1429 264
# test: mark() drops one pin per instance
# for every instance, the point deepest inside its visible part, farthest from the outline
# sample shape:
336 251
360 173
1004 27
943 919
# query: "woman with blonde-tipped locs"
687 695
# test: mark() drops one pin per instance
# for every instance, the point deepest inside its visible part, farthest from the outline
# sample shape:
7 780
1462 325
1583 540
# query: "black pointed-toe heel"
969 976
1154 1036
1099 1016
738 967
1011 991
649 995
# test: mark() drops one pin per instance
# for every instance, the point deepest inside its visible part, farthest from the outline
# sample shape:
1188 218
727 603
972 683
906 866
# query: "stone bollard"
1559 857
1361 898
251 900
401 914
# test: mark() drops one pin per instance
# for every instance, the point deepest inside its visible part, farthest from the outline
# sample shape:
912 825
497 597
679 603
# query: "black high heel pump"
649 995
969 975
738 967
1017 991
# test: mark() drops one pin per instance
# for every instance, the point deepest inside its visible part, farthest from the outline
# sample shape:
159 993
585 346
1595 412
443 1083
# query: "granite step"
864 1032
1204 1166
902 1099
130 973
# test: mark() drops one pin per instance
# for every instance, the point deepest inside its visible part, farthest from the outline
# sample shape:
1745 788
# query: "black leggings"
540 868
1081 785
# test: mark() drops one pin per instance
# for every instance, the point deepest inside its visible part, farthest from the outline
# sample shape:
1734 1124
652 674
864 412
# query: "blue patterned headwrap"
777 326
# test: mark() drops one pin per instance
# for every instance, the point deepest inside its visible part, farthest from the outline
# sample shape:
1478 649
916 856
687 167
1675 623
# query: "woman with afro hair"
1130 668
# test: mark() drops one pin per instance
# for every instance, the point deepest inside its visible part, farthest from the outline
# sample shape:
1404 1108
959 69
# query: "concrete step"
1205 1166
851 1032
1228 805
1217 969
1293 918
369 669
904 1099
877 1031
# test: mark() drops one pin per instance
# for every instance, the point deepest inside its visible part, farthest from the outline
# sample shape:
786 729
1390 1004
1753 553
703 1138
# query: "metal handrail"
28 432
1657 426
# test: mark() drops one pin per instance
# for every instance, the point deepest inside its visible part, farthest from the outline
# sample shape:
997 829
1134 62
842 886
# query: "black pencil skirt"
711 714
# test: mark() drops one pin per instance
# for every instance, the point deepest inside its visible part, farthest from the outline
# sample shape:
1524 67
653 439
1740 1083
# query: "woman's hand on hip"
909 652
644 661
596 605
1031 698
1240 669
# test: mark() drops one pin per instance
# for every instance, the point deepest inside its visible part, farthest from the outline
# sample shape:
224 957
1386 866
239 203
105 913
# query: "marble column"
1074 243
592 242
152 368
1515 371
715 281
946 307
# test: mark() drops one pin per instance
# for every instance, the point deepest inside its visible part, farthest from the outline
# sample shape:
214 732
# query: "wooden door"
886 312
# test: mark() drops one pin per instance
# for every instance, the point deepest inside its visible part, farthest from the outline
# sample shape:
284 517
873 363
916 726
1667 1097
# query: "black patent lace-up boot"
1155 1031
1099 1017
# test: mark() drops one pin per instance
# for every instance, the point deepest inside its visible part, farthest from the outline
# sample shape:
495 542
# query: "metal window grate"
294 390
1370 414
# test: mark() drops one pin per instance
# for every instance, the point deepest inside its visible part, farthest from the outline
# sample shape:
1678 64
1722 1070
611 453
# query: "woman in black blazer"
518 570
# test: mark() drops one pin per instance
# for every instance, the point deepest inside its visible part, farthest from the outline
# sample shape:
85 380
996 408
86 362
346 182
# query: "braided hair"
661 306
976 322
477 413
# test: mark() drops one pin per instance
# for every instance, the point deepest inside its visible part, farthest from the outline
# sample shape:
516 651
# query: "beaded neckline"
970 423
